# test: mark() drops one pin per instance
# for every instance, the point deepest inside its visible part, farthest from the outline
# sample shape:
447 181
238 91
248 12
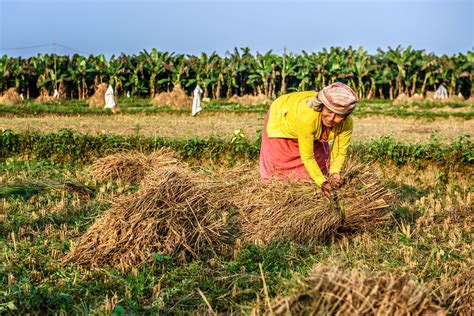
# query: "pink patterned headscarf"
337 97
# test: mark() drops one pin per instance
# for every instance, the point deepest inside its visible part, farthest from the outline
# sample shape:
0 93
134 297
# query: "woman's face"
329 118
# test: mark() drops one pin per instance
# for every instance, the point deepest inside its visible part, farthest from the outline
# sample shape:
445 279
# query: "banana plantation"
385 74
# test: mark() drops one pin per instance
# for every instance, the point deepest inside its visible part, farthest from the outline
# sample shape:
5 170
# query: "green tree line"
385 74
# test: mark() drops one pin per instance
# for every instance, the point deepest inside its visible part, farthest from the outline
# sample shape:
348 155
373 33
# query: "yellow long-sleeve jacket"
290 117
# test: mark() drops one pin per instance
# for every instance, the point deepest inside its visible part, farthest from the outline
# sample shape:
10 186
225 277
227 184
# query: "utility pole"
283 73
55 72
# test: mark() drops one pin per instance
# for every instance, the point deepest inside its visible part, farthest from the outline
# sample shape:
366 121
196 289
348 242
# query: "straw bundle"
401 98
130 167
176 98
98 99
329 291
172 213
46 99
11 97
296 211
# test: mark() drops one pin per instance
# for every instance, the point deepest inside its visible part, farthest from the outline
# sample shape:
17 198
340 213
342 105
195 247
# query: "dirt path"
224 125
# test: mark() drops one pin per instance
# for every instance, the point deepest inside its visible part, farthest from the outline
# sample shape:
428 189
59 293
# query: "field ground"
428 239
224 124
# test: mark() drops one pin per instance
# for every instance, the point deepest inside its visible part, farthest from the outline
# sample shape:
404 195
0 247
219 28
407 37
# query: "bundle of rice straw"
98 99
176 98
282 211
330 291
11 97
130 167
171 214
401 98
46 99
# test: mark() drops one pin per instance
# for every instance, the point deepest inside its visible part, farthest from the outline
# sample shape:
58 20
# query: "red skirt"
280 157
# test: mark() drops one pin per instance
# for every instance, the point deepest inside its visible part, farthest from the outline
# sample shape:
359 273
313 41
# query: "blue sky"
192 27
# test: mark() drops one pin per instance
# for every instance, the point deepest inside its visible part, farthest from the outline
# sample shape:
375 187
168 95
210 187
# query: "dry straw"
172 214
178 210
11 97
46 99
281 211
98 99
176 98
330 291
458 294
130 167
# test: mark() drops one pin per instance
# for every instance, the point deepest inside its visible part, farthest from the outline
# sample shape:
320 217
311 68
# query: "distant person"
296 132
109 99
197 100
441 93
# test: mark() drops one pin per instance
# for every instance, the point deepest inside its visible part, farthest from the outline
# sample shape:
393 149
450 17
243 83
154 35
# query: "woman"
296 132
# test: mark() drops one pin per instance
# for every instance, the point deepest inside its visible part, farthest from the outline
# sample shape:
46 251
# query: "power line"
69 48
43 45
25 47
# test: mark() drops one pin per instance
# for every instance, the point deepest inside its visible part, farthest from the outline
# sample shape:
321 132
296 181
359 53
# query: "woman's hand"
336 180
327 190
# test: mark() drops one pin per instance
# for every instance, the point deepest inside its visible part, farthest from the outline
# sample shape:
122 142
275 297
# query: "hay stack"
251 99
330 291
297 211
176 98
430 96
45 99
172 213
129 167
416 98
455 98
11 97
98 99
401 98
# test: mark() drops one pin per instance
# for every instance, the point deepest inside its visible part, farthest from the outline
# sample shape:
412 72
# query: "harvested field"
426 240
224 125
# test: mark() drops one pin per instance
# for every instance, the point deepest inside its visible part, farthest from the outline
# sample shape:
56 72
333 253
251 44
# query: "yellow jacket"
290 117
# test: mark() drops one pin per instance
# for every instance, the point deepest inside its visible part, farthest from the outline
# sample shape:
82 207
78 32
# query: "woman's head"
335 102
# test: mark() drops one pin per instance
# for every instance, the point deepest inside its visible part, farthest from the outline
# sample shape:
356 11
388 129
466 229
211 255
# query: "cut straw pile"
130 167
176 98
11 97
330 291
177 210
98 99
172 214
282 211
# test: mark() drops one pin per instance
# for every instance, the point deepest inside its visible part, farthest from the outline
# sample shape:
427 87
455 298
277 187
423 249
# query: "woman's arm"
306 149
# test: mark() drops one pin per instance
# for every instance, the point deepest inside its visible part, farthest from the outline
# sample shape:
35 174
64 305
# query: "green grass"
33 280
70 146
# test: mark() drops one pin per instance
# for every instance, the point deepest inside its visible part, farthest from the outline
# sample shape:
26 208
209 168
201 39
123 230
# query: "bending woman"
296 132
